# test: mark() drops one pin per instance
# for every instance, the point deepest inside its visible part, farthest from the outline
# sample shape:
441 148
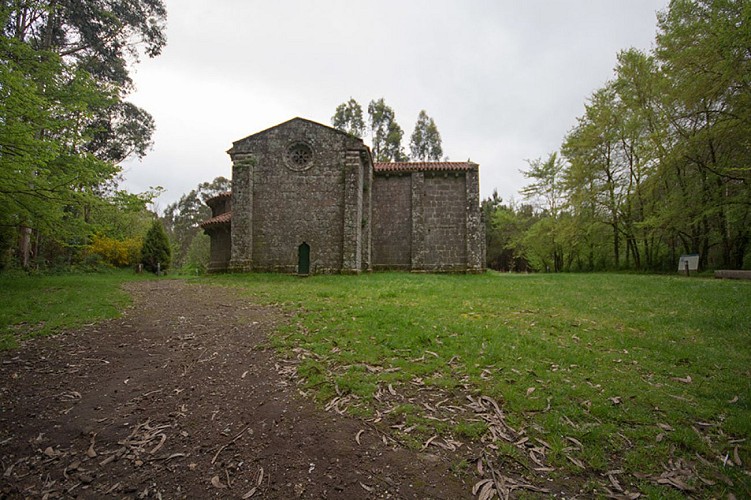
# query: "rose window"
299 155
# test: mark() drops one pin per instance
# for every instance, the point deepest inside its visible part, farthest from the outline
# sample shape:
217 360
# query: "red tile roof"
218 220
220 196
425 166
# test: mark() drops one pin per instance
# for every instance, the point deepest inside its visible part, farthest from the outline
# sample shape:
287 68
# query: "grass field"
635 380
44 304
649 375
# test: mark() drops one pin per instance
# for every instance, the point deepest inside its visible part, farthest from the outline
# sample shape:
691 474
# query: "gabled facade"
307 198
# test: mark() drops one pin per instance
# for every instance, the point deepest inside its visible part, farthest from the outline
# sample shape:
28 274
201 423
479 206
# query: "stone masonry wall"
445 207
475 225
367 212
392 222
241 243
351 233
427 221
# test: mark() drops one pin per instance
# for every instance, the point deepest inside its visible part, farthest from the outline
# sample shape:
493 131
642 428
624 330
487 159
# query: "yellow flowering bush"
119 253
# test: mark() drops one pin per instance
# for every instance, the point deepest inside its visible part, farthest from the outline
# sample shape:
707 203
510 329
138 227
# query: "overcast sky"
504 80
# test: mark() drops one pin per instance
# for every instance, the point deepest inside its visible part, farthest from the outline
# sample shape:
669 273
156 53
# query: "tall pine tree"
156 253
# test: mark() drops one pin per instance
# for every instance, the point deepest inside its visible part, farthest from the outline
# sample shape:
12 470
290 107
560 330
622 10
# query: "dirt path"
180 399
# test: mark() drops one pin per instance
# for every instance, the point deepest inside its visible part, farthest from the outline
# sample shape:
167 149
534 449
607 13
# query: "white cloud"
504 80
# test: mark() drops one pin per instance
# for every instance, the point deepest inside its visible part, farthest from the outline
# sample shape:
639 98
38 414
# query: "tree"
703 47
505 227
348 118
47 180
156 254
386 133
547 188
64 123
100 38
547 191
661 155
425 144
597 176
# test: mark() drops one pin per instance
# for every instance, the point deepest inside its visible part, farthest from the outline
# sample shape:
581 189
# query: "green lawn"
647 373
44 304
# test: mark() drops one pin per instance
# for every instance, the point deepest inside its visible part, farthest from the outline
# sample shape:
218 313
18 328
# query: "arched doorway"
303 259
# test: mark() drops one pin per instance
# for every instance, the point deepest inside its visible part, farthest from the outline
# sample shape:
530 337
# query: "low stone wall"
733 274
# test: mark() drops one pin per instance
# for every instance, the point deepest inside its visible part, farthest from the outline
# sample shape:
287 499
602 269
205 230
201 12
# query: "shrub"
156 252
118 253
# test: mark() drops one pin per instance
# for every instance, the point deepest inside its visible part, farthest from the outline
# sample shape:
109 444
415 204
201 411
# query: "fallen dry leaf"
615 483
686 380
217 483
576 462
544 443
478 485
530 390
427 443
675 482
357 436
156 448
734 400
487 491
91 453
616 400
575 441
366 487
249 494
50 452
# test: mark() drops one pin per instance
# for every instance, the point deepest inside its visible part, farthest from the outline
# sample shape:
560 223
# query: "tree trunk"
25 246
616 243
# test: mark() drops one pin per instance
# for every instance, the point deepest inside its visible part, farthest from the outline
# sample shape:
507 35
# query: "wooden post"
685 265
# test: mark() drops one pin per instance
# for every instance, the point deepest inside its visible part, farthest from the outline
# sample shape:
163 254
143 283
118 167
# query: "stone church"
307 198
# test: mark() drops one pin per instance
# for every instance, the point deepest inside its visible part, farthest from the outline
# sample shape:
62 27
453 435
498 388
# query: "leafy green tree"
547 188
47 180
123 215
425 143
505 227
547 191
156 253
661 155
386 133
493 245
596 176
100 38
703 47
348 118
64 123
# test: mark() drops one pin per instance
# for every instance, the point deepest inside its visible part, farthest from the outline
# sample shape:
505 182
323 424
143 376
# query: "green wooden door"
303 259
